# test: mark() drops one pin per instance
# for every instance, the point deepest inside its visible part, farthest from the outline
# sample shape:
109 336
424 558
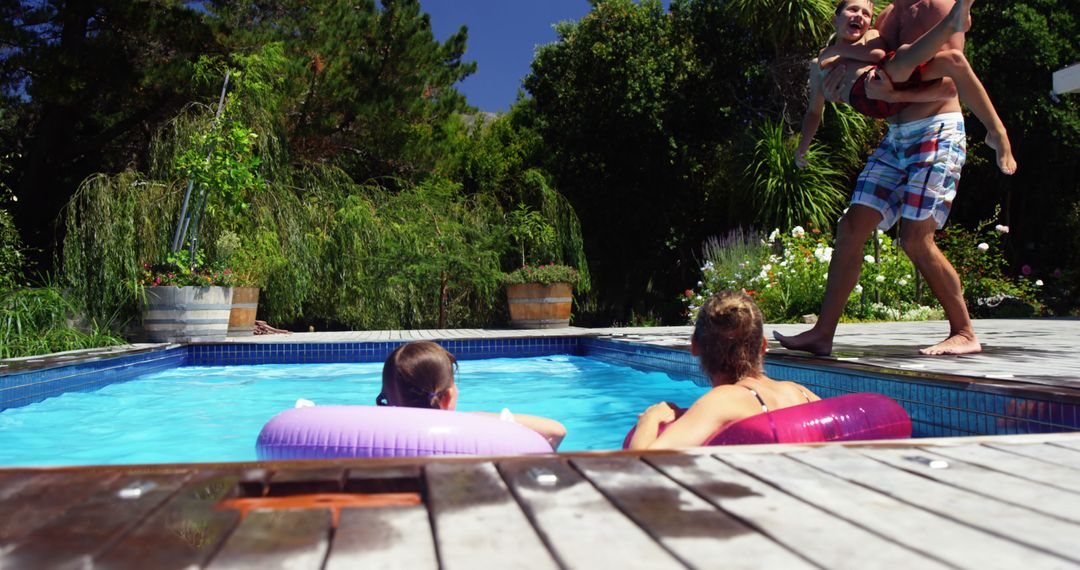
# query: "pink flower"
1026 270
688 293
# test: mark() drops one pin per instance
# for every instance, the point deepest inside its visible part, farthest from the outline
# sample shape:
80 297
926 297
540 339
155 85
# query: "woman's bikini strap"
764 408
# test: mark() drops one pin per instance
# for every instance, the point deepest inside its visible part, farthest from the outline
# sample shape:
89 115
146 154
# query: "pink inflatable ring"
371 431
843 418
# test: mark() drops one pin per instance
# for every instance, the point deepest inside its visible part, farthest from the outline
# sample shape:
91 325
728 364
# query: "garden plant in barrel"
186 298
540 294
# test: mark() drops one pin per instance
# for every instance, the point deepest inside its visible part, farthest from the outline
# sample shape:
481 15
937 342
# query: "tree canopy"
364 191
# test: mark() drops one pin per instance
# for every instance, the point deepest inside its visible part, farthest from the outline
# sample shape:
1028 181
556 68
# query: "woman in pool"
729 340
421 375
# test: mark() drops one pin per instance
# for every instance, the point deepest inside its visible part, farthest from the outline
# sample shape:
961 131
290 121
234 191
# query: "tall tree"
85 84
370 85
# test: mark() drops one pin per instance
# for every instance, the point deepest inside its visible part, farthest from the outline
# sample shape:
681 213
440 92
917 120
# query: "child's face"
853 20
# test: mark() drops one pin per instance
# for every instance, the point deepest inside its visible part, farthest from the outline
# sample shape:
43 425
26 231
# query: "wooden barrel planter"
245 300
536 306
184 314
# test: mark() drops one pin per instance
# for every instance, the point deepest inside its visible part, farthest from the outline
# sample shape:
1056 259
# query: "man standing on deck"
914 174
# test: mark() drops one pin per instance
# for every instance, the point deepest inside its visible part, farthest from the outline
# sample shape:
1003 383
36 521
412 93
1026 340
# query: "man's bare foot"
999 141
961 15
809 341
959 343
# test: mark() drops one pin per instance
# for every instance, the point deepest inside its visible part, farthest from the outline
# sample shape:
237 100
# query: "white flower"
858 288
880 232
1038 283
1002 229
699 283
798 232
766 267
984 246
902 282
708 265
869 259
775 234
880 279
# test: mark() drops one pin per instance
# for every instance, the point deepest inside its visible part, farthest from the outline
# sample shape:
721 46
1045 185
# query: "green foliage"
12 257
787 195
978 256
1015 47
786 273
542 274
42 320
179 270
532 233
223 160
114 224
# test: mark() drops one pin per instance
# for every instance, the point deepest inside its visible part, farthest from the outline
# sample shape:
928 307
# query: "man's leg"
851 234
917 240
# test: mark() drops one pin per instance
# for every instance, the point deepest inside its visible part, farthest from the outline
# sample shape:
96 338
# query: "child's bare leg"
910 56
953 64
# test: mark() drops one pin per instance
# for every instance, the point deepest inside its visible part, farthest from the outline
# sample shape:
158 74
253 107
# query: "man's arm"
871 51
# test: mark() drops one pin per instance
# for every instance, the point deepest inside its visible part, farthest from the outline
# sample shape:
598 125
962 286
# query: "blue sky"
503 35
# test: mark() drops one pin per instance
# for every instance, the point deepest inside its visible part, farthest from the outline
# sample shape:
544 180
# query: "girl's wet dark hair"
728 333
416 375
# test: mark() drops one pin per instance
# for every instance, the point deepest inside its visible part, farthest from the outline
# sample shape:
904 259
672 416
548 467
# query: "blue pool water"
214 413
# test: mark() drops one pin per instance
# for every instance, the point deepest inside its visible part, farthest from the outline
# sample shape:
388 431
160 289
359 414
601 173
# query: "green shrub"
543 274
41 320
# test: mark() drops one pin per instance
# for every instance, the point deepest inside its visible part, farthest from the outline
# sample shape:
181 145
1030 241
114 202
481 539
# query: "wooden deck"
995 502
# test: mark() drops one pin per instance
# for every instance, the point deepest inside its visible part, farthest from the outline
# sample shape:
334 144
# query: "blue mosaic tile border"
936 409
23 388
321 353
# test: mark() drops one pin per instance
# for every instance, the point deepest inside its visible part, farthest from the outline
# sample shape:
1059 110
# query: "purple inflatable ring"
842 418
323 432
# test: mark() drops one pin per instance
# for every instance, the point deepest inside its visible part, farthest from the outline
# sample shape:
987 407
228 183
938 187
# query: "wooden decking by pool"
999 502
975 502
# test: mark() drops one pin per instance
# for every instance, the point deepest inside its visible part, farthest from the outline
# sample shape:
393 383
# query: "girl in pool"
421 375
911 68
730 342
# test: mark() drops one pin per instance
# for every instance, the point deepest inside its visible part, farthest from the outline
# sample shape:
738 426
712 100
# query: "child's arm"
812 120
551 430
880 87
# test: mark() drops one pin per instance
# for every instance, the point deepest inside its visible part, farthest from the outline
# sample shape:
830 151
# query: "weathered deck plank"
1058 453
906 524
978 506
1073 445
583 529
285 538
999 486
688 526
91 526
387 538
478 524
788 520
1021 466
184 533
30 500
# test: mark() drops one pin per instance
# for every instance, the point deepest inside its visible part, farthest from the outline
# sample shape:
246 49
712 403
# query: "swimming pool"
214 413
939 406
